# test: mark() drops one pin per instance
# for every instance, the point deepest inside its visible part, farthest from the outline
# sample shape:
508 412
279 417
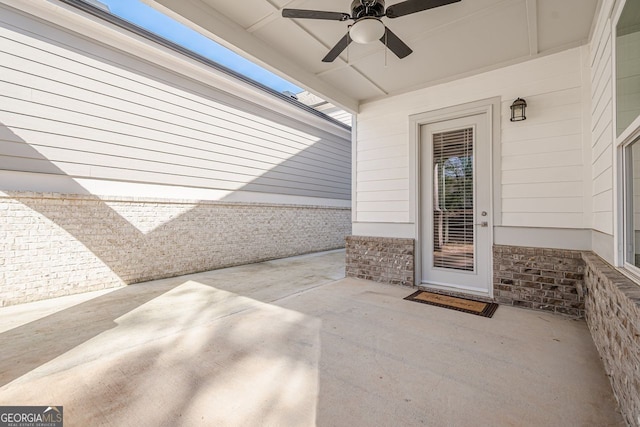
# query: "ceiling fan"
368 26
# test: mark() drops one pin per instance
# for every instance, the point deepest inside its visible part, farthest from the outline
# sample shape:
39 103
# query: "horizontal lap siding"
382 170
602 128
542 166
74 107
542 162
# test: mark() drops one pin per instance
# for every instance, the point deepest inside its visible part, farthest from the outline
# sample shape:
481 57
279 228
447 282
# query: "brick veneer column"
382 259
539 278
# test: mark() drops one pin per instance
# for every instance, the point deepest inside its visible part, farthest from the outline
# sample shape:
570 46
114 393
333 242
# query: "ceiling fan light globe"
367 30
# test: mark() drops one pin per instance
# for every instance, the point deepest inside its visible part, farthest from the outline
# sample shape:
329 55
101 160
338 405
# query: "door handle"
483 224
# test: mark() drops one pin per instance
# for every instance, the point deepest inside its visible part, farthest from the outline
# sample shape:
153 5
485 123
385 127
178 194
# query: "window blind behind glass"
453 216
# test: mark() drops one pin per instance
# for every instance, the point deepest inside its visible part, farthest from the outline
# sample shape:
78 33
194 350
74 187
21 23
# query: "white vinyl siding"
72 106
542 166
602 126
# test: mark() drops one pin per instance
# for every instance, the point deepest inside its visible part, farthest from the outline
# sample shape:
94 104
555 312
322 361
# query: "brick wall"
613 317
540 279
386 260
54 245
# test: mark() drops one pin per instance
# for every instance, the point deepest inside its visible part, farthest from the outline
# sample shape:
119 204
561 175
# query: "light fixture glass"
518 110
367 30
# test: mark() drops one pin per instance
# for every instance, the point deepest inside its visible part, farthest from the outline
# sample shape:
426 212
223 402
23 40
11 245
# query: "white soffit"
460 39
244 16
446 52
287 35
554 16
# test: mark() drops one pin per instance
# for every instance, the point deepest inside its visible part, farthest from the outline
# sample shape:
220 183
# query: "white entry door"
455 168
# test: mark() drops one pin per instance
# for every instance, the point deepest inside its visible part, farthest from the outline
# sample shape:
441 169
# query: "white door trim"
491 108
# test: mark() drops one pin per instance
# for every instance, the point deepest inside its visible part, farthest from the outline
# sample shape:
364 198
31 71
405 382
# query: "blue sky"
146 17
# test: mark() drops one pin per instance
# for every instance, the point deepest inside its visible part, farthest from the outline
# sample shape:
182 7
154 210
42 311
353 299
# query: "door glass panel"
453 229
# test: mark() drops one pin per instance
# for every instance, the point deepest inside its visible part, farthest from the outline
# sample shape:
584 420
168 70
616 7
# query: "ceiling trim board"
262 22
376 86
532 24
204 18
276 11
594 23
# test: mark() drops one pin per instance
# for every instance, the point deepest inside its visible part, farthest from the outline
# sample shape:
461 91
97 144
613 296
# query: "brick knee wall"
541 279
55 245
613 317
536 278
382 259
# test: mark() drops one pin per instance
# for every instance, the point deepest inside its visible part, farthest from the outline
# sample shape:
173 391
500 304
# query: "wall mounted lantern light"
518 110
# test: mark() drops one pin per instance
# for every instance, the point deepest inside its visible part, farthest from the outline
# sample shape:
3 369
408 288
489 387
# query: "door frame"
491 109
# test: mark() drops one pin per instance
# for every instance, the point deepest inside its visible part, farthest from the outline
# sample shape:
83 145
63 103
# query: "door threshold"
456 291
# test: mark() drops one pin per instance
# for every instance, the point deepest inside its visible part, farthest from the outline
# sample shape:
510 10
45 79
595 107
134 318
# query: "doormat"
479 308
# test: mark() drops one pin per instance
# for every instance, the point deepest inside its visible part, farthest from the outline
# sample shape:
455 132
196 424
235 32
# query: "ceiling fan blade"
412 6
395 45
315 14
337 49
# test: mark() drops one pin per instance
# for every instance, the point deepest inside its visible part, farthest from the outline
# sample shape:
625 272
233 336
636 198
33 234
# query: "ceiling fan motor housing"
360 8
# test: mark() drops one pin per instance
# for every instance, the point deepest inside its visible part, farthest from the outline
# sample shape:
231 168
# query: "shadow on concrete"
133 256
34 344
349 353
166 353
255 365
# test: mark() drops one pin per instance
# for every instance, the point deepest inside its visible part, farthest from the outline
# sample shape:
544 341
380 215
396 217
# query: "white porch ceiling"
449 42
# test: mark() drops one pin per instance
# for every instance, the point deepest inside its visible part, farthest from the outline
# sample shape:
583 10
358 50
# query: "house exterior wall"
121 161
541 166
543 175
556 221
612 298
602 134
77 108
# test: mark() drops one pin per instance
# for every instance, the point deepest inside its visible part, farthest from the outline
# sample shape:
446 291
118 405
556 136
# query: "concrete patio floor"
292 343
